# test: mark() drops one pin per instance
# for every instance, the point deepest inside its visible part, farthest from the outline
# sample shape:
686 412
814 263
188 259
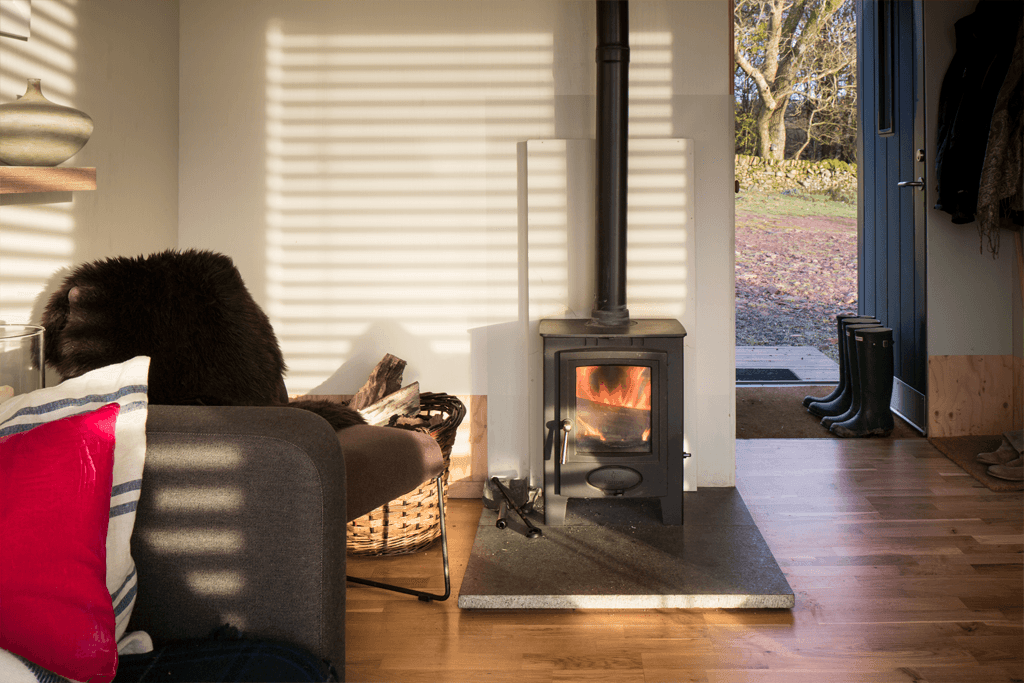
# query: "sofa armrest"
241 521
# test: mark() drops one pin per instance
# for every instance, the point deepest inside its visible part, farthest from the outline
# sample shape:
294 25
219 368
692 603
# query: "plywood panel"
971 395
468 469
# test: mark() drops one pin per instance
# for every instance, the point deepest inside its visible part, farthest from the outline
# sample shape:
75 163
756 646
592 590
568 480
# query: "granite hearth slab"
616 554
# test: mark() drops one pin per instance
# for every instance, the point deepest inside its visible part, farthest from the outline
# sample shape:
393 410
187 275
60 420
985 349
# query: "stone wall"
769 175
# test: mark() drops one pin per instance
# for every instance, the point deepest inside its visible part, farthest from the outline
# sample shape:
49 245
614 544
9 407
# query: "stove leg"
554 510
672 502
672 509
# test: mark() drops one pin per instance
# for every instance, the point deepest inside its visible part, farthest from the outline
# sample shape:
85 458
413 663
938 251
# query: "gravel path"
793 275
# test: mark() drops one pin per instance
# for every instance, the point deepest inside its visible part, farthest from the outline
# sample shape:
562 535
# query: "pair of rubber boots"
859 406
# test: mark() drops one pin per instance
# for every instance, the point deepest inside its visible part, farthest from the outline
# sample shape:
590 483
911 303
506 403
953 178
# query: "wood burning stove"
613 408
613 387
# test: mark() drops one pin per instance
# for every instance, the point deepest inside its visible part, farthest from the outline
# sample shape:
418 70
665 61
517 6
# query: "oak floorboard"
977 674
902 569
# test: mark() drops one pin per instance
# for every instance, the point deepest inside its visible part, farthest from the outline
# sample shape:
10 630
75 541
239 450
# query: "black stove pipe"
612 117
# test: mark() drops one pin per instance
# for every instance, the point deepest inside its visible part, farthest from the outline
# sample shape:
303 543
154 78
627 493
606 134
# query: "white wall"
359 163
971 297
116 60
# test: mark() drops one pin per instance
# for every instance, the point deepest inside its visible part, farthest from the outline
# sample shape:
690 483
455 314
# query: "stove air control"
614 480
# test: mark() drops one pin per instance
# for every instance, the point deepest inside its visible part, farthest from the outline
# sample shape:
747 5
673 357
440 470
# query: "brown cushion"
383 463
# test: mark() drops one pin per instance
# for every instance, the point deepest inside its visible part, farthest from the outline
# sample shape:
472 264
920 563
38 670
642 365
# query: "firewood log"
385 379
401 403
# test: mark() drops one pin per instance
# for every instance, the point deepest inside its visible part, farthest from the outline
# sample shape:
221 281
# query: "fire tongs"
502 522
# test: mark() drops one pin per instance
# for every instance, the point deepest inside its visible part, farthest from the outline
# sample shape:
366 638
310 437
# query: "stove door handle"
566 428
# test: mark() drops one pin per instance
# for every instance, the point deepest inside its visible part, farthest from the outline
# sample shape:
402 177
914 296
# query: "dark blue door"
892 166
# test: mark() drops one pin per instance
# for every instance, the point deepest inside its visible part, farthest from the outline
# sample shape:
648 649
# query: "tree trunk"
779 134
764 138
771 129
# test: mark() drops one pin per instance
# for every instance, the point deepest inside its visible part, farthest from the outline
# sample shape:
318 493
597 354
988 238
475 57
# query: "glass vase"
21 360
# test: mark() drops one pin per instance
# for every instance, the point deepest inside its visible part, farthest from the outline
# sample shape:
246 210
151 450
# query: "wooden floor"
808 363
904 568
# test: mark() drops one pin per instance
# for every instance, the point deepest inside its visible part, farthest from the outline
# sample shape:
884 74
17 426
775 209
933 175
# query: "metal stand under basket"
422 595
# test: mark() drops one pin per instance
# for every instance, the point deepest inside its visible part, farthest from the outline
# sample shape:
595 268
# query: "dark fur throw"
208 341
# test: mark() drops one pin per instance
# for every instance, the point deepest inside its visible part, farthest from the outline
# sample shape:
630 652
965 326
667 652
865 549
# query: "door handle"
911 183
566 427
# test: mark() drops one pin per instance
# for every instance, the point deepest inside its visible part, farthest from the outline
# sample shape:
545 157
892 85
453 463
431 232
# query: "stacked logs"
383 401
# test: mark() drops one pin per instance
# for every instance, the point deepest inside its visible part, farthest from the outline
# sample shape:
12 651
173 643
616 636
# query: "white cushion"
15 669
127 384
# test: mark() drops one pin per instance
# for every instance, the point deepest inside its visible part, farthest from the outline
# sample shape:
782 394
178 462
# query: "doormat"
779 413
963 450
765 375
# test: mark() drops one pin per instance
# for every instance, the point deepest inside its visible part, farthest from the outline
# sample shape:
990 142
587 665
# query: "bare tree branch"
785 48
763 87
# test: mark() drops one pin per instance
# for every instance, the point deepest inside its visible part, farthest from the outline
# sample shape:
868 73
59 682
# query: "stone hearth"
616 554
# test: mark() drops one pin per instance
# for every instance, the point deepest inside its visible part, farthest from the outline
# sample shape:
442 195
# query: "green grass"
795 204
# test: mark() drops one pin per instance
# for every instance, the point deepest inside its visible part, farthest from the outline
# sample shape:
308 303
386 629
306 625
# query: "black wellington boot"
853 363
842 403
875 359
808 400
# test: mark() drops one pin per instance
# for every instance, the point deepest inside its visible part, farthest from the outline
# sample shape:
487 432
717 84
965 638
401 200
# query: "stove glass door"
613 408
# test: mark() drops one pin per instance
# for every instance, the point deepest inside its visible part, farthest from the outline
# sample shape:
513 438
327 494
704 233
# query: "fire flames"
610 387
627 386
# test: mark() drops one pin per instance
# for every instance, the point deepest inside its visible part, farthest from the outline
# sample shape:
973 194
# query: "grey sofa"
242 516
242 521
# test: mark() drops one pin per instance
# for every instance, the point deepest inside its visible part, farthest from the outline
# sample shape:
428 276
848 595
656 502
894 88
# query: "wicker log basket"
412 522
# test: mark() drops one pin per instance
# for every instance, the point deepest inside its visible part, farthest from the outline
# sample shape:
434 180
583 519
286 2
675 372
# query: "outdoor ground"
796 268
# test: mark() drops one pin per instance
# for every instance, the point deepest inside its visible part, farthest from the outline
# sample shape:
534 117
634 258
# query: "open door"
891 278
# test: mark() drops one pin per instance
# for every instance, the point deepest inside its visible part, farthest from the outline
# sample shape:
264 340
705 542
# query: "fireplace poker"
502 516
534 532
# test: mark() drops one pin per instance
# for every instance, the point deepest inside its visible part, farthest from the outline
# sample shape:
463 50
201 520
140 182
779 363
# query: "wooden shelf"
22 179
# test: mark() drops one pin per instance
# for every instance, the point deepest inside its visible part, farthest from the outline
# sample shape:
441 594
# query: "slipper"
1002 455
1011 471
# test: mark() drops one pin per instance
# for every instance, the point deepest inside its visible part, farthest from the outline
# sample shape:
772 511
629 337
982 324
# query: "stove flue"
613 387
612 58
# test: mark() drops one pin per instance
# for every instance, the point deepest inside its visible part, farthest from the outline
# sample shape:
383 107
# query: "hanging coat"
984 48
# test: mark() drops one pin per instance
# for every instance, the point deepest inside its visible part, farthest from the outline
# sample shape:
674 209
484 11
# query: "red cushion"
55 485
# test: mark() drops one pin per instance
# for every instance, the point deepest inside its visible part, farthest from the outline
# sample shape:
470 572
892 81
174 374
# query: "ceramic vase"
36 132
